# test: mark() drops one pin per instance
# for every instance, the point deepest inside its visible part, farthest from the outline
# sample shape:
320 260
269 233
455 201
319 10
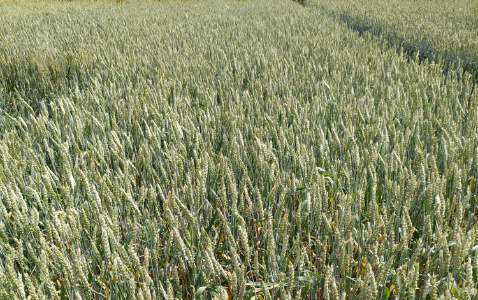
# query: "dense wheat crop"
442 32
244 150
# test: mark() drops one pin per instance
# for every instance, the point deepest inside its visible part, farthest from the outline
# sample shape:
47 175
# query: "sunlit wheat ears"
129 170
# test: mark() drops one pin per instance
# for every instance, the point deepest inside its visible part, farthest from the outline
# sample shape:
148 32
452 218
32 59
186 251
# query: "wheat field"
233 150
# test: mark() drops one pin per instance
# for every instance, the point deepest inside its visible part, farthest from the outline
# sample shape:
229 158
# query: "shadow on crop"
29 82
452 64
